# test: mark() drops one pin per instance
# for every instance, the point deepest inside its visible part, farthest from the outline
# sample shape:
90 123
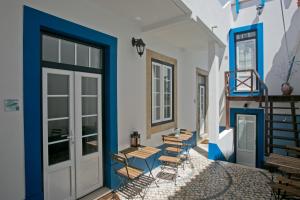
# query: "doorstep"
97 194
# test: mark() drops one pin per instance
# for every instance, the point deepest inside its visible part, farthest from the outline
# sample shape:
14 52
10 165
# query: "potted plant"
286 88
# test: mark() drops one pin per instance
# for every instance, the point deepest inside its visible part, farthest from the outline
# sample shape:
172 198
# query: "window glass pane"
246 133
89 145
157 110
58 84
157 99
58 107
167 112
241 36
89 86
58 152
82 55
67 52
246 54
157 85
96 58
155 70
167 99
167 87
89 125
50 48
202 80
89 106
58 130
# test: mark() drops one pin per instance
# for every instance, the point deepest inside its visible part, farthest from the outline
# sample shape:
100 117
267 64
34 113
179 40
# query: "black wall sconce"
140 45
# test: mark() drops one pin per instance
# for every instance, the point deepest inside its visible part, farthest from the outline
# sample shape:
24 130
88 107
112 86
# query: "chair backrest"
170 138
187 132
120 158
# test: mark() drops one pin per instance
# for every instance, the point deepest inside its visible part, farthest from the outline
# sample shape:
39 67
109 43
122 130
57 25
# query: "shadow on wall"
280 65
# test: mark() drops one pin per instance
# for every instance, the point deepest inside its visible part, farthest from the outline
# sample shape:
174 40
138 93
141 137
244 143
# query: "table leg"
150 170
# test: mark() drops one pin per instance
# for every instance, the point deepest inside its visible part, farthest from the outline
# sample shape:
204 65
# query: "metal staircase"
282 124
278 132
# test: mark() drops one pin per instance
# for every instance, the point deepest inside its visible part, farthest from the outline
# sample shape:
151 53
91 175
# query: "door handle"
70 137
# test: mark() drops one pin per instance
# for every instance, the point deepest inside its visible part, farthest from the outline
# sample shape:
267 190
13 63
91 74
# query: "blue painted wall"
232 54
260 123
34 22
215 153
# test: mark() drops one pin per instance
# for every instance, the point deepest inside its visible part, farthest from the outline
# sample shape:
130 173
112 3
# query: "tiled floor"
205 179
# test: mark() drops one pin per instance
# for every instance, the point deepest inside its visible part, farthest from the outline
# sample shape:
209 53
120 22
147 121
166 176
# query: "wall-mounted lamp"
140 45
259 8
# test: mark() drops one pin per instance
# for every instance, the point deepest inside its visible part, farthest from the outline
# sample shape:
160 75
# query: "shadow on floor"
137 187
201 151
216 175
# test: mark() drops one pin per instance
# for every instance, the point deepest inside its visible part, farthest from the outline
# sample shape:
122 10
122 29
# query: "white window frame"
162 118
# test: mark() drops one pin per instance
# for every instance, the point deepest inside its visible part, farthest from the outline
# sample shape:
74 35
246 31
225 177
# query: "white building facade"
69 70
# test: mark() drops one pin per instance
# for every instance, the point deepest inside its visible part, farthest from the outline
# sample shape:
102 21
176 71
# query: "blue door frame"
260 123
34 22
232 54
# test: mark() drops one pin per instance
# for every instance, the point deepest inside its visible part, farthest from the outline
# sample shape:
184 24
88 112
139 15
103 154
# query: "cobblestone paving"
205 179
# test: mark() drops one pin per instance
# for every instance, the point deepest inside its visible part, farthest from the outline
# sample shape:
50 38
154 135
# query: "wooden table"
182 136
283 161
143 153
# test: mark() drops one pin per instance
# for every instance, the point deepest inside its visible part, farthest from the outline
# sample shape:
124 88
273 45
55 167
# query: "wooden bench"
286 187
278 161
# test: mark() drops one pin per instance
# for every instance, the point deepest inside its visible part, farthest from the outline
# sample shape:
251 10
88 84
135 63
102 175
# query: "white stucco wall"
275 55
131 79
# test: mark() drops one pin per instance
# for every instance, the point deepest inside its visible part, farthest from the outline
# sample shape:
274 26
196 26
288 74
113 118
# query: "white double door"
246 140
72 134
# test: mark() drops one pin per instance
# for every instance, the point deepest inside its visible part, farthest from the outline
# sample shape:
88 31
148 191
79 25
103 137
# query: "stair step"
275 107
285 129
282 114
281 122
285 138
278 146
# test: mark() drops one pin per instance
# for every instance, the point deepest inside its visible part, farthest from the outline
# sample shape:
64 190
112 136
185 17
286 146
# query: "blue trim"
260 54
262 2
237 6
215 153
260 123
34 22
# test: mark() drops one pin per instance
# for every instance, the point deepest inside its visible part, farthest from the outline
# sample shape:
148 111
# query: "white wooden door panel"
246 140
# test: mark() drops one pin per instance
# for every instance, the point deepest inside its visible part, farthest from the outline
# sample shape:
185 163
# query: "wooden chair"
128 174
170 158
284 188
187 144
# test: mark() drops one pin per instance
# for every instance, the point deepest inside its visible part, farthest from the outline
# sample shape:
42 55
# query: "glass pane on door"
90 120
58 118
246 59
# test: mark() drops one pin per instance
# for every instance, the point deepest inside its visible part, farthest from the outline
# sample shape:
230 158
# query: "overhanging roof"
170 20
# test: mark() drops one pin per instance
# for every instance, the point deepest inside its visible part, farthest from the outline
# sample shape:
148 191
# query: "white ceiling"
184 34
149 11
167 19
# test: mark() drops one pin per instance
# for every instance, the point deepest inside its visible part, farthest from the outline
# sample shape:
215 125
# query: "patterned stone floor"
206 179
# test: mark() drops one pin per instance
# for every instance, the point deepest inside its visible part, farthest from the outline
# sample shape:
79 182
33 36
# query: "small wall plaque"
11 105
